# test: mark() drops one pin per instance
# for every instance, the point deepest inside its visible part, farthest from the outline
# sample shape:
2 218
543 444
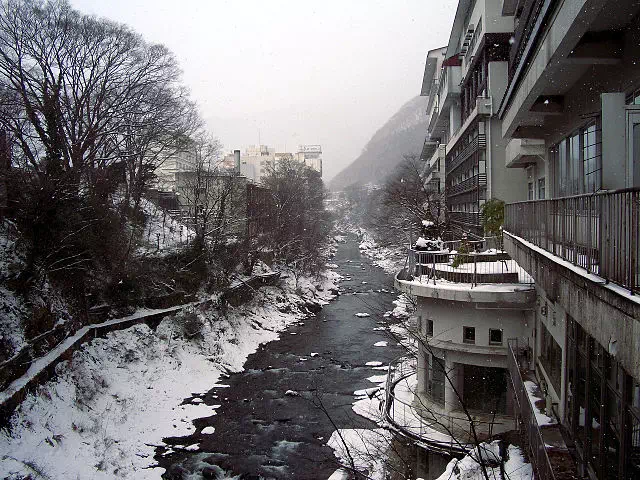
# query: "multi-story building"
463 105
571 117
182 161
433 151
538 104
311 156
256 161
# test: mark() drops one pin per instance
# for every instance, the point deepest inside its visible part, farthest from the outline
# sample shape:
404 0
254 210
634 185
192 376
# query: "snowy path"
267 423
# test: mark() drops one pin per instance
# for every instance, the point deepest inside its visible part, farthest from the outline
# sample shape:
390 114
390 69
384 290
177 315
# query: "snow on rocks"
292 393
360 443
362 315
208 431
381 343
373 364
468 468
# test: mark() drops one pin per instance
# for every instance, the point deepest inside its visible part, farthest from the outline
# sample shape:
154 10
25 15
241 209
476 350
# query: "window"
541 189
577 162
530 191
551 357
495 336
429 326
469 334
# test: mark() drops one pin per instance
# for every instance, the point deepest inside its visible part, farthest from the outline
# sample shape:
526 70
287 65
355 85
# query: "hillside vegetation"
403 134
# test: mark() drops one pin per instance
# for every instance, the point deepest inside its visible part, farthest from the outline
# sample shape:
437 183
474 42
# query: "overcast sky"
327 72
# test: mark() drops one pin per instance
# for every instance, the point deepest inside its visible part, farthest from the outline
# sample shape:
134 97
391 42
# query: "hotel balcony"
599 234
484 277
521 152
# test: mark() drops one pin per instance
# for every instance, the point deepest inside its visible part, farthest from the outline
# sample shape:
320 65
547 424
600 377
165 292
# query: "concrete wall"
507 184
609 315
449 317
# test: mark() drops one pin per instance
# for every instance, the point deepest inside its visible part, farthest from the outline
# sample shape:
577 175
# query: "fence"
410 422
599 232
526 418
473 268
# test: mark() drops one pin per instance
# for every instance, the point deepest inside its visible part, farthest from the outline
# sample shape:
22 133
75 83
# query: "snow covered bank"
116 399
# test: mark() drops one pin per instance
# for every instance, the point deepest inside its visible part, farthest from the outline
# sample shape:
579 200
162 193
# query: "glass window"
561 169
495 336
530 191
429 328
574 184
591 158
541 189
551 357
469 334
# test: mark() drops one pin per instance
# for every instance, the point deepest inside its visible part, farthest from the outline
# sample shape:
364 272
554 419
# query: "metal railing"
526 418
477 181
409 419
479 142
599 232
473 268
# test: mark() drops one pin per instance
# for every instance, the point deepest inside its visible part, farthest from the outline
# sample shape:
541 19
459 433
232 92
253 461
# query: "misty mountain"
402 134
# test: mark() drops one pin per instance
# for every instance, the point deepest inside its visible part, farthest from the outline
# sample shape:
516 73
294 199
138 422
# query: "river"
262 432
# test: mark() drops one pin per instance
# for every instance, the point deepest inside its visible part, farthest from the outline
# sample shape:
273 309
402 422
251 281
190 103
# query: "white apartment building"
184 161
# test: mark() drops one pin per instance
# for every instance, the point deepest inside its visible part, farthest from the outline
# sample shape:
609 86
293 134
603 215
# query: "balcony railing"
476 144
469 219
472 268
467 185
599 232
526 419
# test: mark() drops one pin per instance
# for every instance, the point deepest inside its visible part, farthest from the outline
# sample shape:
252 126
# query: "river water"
260 432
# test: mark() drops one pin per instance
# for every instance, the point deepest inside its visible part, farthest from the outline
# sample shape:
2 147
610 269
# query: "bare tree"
301 222
398 209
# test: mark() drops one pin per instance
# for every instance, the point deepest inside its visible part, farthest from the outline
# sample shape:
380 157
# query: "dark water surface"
261 432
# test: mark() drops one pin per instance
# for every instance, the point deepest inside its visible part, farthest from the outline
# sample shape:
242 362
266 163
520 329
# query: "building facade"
465 94
183 161
571 120
538 103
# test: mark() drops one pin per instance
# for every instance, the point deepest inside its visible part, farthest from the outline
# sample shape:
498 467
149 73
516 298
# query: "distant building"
184 161
311 156
258 159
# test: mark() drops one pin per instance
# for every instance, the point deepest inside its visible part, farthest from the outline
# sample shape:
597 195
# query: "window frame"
495 342
466 330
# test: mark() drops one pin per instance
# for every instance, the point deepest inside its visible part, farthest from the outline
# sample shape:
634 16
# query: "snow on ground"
162 233
468 468
360 449
119 396
390 259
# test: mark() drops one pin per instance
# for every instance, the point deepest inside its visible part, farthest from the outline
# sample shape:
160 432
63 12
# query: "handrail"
478 142
399 370
472 268
526 418
599 232
471 183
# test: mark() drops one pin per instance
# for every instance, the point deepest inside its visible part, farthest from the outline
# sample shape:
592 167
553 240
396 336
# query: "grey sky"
294 72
